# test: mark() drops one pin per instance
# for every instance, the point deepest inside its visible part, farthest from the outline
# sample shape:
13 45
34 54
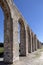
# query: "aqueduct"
28 40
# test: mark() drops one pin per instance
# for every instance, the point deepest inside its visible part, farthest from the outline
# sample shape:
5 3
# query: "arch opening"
1 32
22 38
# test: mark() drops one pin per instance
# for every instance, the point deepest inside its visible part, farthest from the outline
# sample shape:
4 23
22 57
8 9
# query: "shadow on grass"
1 55
2 63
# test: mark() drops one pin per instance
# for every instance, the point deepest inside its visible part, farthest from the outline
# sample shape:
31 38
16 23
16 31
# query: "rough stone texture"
26 41
7 32
33 44
38 44
35 41
22 39
11 46
29 41
12 18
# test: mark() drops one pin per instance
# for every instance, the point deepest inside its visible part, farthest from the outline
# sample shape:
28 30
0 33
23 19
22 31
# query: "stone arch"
8 31
5 7
22 38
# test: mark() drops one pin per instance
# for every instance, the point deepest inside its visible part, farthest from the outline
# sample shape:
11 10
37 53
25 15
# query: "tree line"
1 45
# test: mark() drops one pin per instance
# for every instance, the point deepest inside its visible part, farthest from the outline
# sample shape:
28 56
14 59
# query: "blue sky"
32 10
1 25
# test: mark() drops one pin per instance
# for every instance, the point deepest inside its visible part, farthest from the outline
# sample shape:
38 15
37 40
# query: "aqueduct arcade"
28 40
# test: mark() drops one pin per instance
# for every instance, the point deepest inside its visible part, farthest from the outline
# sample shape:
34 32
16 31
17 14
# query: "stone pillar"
22 39
26 40
30 42
40 44
8 40
35 42
15 41
11 46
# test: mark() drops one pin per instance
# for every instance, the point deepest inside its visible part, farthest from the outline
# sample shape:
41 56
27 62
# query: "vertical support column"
40 45
33 44
22 40
26 39
15 41
35 41
8 40
30 42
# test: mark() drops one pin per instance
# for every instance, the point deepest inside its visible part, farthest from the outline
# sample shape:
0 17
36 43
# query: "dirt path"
41 57
35 58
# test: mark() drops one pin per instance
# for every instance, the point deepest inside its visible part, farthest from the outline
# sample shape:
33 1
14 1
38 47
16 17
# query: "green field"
1 49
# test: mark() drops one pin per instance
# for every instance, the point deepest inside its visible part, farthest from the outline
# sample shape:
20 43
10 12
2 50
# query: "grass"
1 49
1 52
